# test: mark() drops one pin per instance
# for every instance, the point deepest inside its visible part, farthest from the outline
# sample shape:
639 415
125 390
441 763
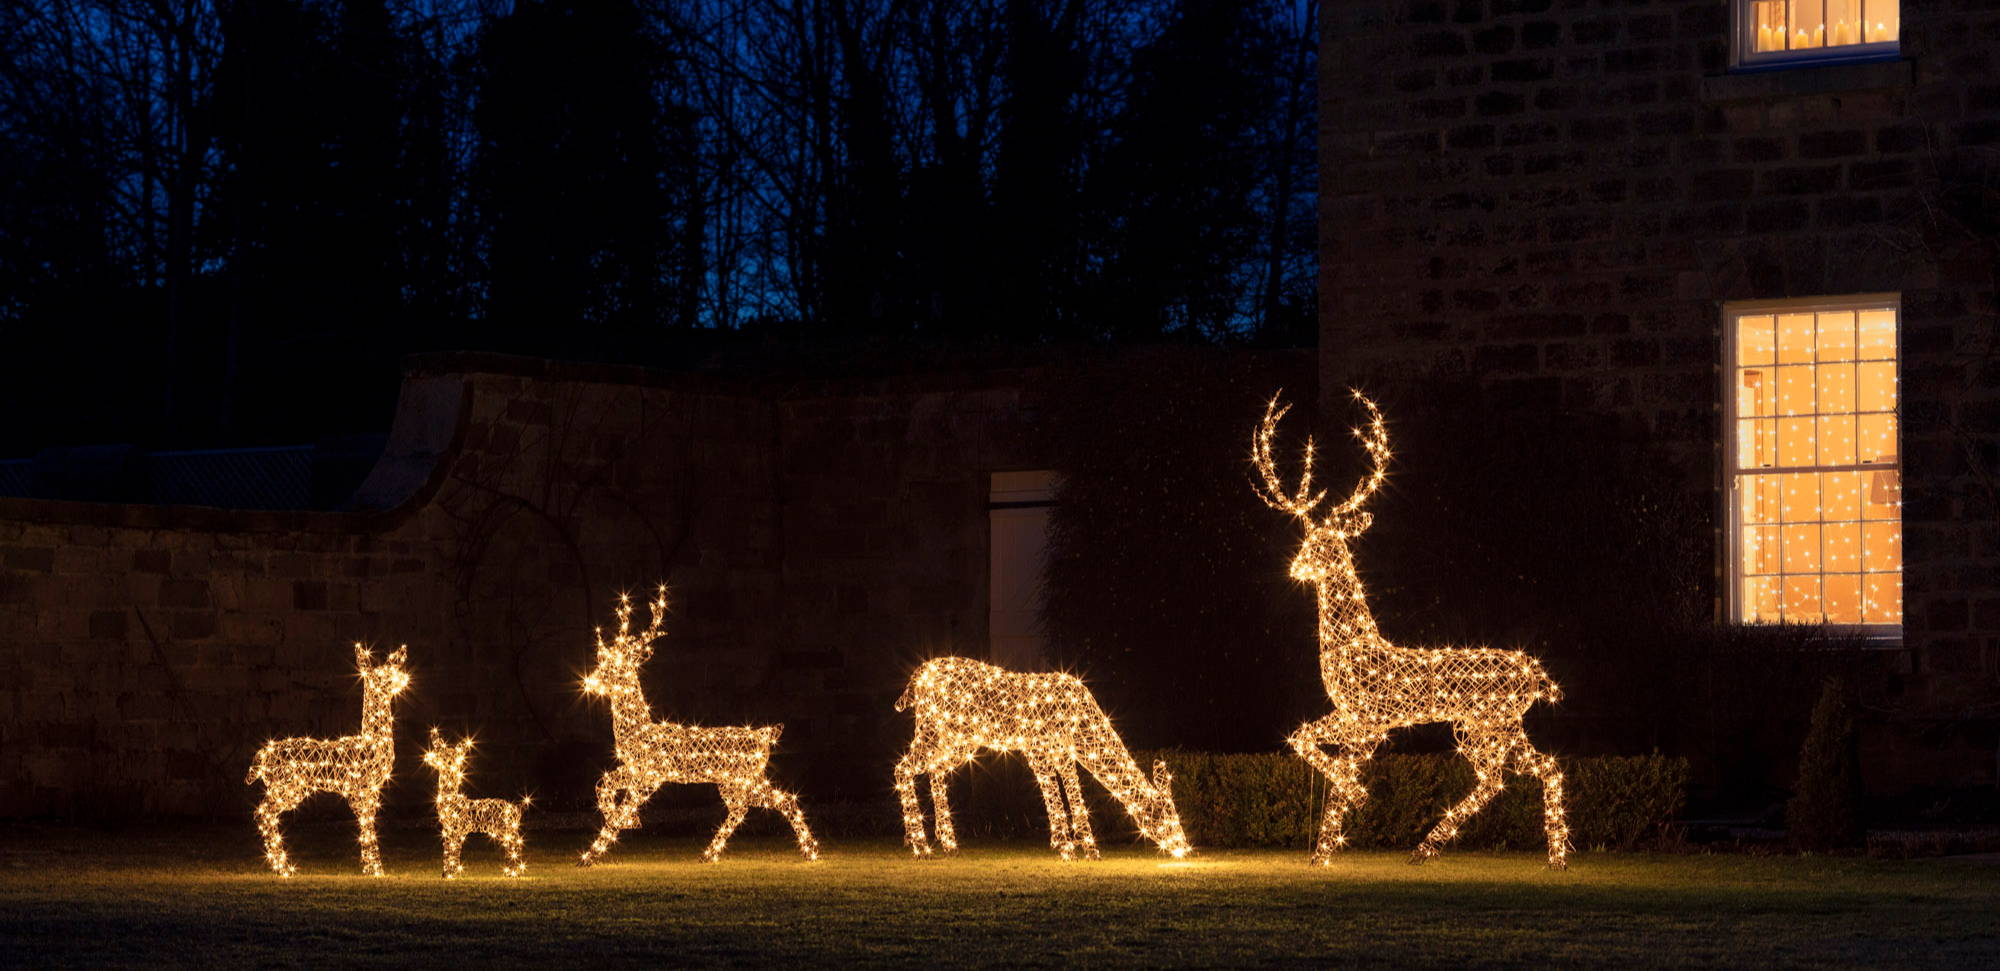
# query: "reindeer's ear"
436 738
401 655
1363 520
361 655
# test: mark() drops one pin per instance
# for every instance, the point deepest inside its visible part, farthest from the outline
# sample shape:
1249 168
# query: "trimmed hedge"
1274 799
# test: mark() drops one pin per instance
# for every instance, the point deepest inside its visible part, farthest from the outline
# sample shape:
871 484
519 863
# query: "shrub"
1826 812
1274 799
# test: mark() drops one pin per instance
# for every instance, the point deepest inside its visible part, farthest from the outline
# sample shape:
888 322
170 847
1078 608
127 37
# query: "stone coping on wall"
434 406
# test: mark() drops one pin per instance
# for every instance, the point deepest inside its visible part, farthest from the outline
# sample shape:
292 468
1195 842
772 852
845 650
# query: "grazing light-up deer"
354 767
963 706
1377 686
460 816
651 754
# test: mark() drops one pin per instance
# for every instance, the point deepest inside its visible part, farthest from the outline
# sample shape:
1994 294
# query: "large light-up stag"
354 767
1377 687
651 754
964 706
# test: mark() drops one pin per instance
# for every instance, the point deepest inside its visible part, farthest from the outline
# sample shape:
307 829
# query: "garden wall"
820 539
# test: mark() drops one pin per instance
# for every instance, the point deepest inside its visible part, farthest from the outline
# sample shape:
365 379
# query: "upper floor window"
1771 33
1815 475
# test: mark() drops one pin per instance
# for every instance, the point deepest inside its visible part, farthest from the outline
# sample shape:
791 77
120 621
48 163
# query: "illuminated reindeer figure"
1377 687
460 816
651 754
354 767
963 706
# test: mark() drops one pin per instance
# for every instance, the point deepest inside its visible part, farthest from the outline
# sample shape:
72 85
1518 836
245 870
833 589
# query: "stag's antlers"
1375 439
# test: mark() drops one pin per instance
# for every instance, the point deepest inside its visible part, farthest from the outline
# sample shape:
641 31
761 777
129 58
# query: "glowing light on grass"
1377 687
354 767
965 706
652 754
460 816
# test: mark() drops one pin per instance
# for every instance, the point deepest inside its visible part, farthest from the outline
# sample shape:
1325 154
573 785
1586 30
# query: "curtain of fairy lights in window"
1818 492
1800 25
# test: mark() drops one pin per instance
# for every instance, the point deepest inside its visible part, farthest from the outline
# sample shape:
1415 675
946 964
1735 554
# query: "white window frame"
1733 474
1743 55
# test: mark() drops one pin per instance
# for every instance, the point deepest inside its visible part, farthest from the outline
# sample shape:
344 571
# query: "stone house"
1760 234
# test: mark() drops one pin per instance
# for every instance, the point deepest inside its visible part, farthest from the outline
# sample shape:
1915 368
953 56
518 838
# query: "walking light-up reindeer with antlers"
354 767
460 816
1377 686
963 706
651 754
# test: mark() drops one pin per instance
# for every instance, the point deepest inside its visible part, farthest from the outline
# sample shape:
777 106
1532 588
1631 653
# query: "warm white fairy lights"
1377 687
460 816
652 754
354 767
1816 470
965 706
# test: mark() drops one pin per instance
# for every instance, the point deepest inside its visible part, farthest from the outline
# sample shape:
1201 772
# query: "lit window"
1815 478
1774 32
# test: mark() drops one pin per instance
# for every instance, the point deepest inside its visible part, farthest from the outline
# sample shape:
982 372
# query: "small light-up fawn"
1377 687
964 706
651 754
460 816
354 767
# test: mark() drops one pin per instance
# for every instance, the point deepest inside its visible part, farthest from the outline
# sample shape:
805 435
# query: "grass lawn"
70 897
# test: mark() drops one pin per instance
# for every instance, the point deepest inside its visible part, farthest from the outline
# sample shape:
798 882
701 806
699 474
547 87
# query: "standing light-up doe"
460 816
651 754
354 767
963 706
1376 686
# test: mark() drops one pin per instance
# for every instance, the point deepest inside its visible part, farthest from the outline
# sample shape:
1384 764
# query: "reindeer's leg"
738 801
1059 821
1079 813
941 770
454 849
514 847
1543 766
1343 776
767 796
278 800
787 804
1488 751
616 815
907 769
947 832
366 804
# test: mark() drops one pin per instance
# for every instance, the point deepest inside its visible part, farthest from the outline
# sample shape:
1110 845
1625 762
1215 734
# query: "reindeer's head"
383 680
1162 823
619 659
1325 549
448 758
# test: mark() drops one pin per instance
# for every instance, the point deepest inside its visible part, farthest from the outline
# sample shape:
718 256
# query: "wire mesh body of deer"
460 816
1377 687
964 706
354 767
652 754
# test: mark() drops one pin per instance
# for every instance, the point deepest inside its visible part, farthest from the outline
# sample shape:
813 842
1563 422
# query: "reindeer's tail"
1549 685
256 768
909 696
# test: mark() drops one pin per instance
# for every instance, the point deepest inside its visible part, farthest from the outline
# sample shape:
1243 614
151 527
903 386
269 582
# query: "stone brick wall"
819 540
1555 196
